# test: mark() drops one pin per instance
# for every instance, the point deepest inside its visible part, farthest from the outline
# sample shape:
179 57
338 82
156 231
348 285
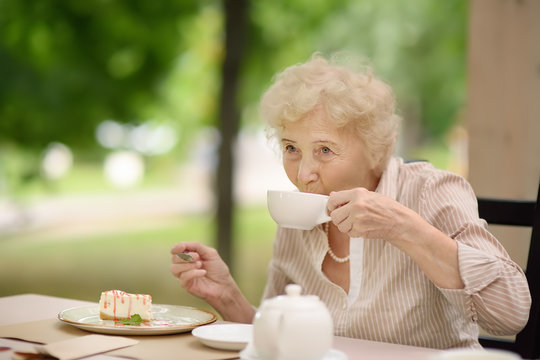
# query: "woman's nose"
307 171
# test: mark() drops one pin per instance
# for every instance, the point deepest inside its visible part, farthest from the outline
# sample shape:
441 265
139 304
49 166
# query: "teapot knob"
293 290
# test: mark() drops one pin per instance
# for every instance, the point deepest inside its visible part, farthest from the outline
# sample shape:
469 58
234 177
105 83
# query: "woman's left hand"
362 213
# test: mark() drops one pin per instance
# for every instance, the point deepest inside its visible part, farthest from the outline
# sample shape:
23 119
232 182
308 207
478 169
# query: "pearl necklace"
334 257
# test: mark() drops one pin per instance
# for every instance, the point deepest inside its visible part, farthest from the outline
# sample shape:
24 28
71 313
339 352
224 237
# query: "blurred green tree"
67 65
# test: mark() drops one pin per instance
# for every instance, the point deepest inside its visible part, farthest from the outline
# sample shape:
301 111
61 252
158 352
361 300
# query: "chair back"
519 213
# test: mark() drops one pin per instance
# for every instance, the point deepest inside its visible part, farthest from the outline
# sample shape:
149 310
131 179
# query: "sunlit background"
109 127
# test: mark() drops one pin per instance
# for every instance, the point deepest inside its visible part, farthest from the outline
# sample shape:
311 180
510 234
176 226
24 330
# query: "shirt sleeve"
496 293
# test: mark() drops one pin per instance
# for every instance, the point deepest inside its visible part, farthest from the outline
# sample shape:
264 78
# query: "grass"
131 259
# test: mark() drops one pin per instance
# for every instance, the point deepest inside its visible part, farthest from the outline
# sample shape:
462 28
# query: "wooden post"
229 118
503 111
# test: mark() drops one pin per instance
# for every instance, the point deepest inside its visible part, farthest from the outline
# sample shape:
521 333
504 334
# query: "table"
43 310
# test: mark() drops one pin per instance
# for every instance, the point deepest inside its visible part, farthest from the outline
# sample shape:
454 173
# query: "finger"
340 198
339 215
354 232
204 252
178 268
187 247
188 276
336 200
345 227
180 247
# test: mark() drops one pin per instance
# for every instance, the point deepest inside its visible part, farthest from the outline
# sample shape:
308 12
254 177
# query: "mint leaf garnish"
135 319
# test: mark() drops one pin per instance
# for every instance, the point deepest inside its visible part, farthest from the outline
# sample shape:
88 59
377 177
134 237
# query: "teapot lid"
294 300
293 290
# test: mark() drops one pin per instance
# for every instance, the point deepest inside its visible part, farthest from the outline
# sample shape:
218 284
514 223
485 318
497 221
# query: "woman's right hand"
206 276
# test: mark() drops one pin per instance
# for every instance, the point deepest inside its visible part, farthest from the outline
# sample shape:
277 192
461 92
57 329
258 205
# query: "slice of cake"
120 305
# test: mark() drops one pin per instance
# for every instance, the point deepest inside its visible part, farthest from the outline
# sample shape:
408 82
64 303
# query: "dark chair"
519 213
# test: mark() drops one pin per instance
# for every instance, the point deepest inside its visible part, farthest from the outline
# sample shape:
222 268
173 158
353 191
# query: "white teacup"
297 210
470 354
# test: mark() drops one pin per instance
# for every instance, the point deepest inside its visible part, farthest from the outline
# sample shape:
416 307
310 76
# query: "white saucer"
250 354
224 336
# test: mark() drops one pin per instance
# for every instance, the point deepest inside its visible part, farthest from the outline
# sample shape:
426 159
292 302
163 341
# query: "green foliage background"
67 65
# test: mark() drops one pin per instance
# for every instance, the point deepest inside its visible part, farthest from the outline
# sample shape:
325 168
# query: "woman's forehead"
315 129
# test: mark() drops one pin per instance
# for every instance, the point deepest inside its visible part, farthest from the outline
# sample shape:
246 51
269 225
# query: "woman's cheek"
291 169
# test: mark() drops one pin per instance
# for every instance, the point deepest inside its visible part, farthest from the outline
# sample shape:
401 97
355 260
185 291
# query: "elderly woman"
405 259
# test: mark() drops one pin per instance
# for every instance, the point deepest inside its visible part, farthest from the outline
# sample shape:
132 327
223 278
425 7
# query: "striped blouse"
390 299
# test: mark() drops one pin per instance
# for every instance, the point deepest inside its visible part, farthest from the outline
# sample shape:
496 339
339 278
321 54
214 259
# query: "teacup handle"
324 216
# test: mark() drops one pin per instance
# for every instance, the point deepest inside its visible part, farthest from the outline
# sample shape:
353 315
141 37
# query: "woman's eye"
290 148
326 150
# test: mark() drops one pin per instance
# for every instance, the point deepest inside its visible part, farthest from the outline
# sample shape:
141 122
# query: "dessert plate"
225 336
168 319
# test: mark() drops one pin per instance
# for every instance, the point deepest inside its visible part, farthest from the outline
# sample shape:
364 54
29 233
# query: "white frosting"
117 304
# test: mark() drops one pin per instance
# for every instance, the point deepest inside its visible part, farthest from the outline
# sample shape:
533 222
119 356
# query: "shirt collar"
389 178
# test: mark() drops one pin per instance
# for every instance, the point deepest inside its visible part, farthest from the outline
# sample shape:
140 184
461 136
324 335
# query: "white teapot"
292 327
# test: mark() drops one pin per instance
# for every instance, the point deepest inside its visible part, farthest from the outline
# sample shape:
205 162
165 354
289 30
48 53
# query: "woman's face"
319 158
